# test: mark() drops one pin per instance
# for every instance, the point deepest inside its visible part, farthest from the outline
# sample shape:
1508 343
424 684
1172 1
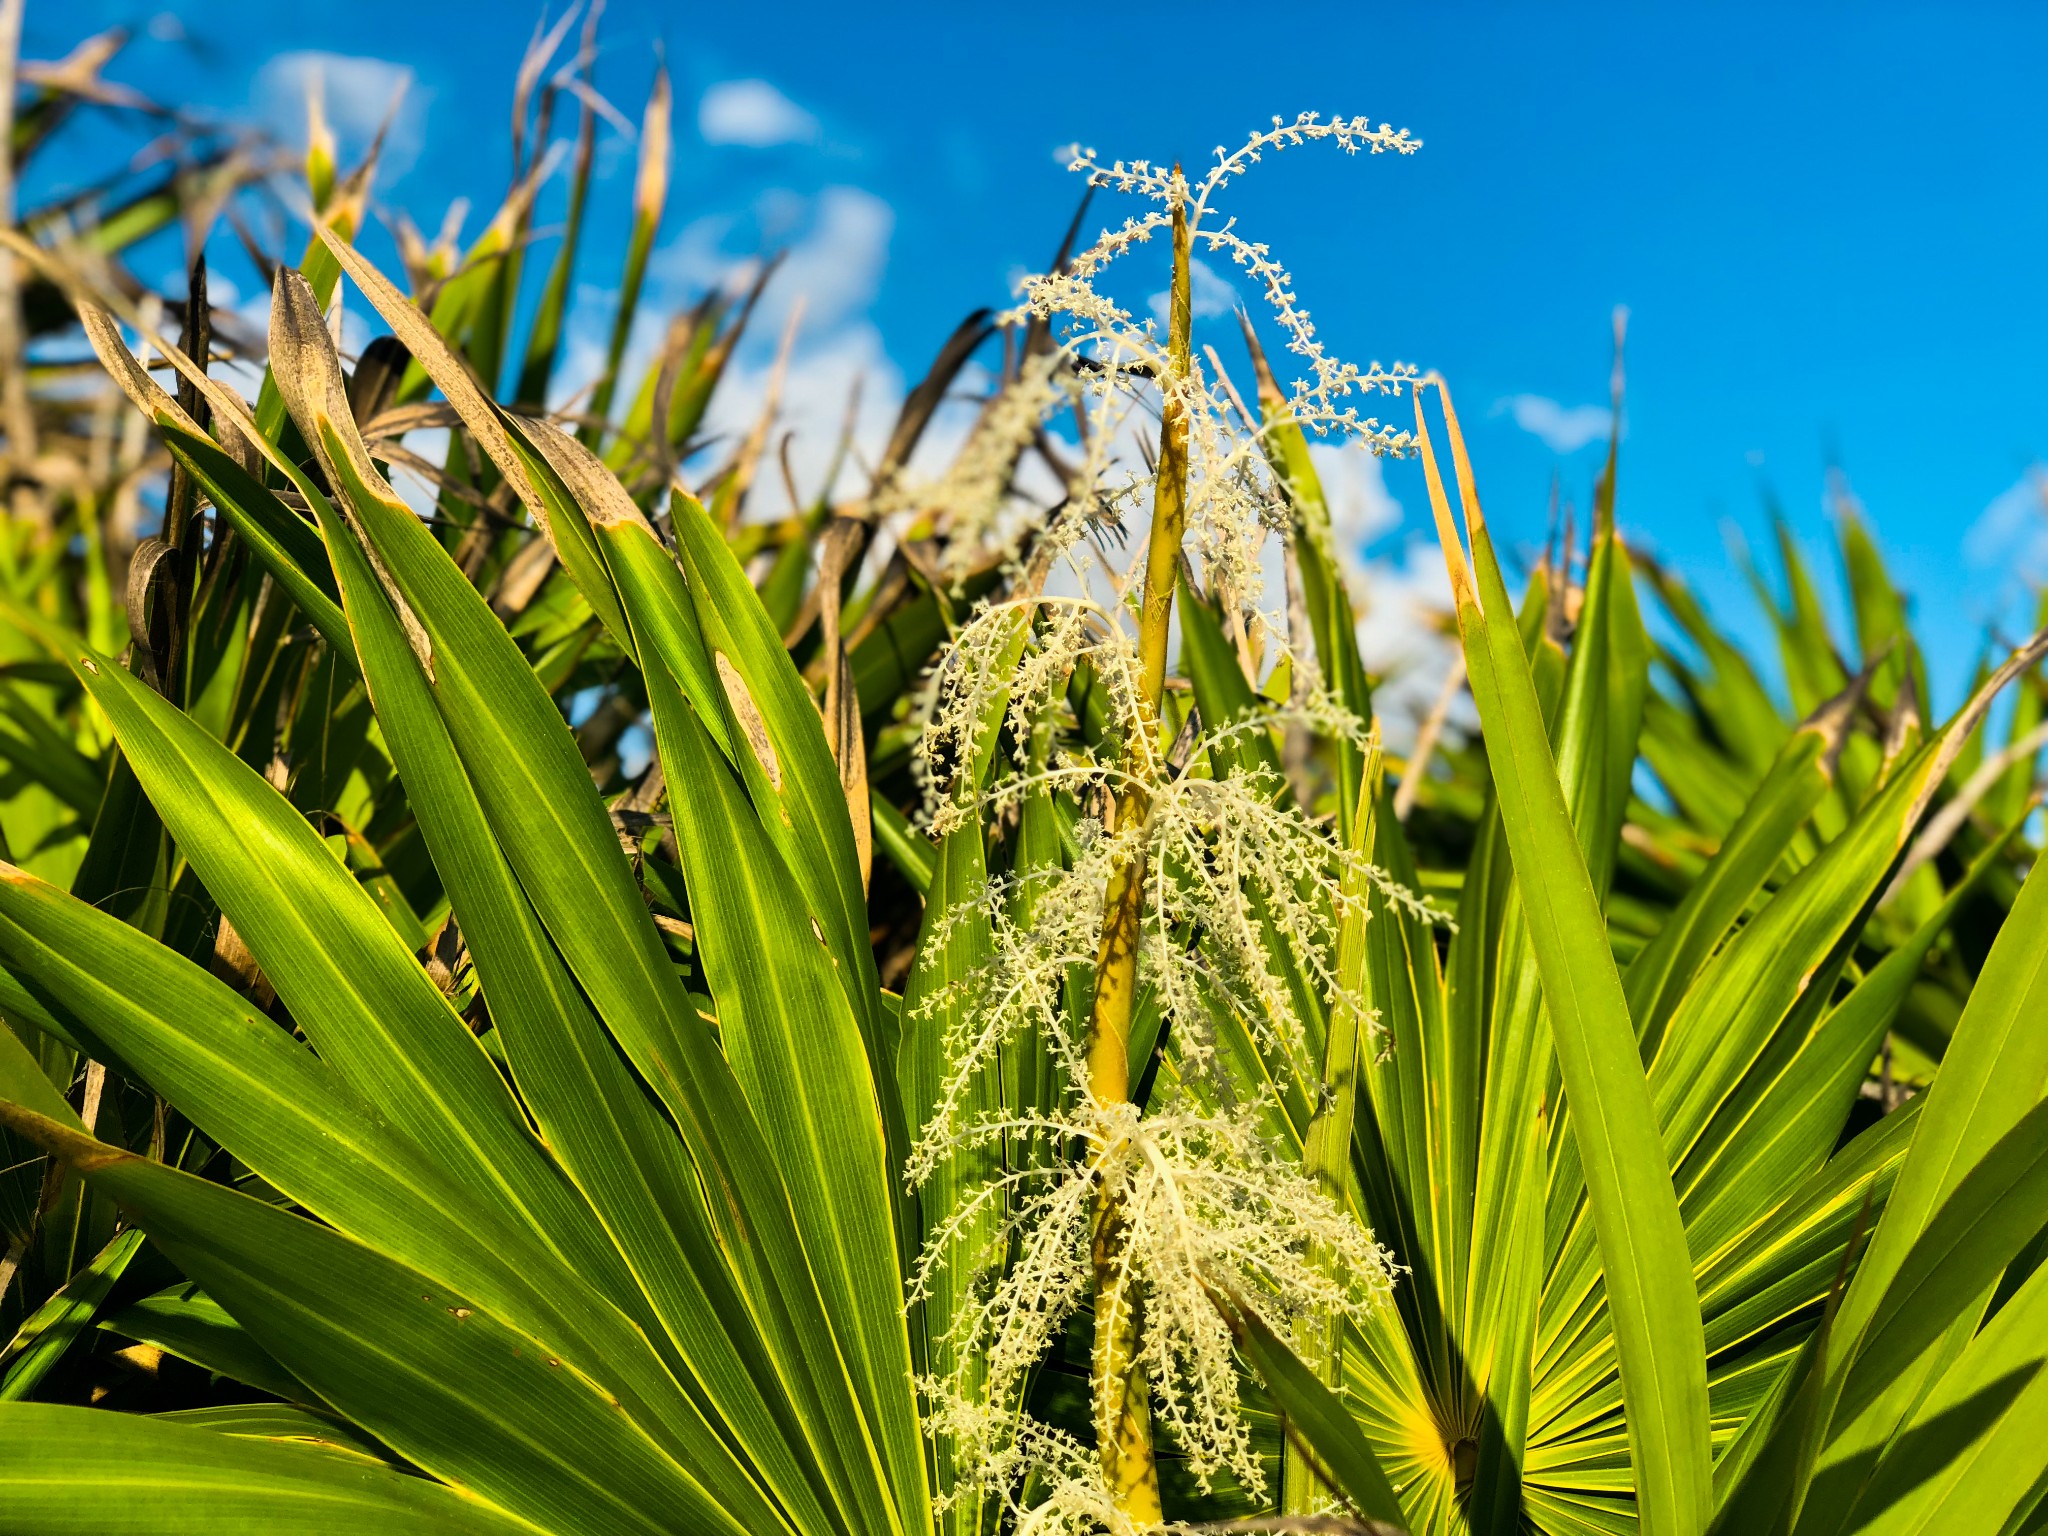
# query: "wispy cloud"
1355 488
358 95
1402 596
1405 634
2005 551
1562 428
2012 530
836 244
753 114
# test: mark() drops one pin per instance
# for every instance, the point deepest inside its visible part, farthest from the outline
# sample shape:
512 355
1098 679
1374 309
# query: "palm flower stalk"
1122 1419
1196 896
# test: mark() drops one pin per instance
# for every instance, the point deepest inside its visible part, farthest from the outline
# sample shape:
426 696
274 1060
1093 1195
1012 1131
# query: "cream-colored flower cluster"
1244 891
1109 373
1244 888
1315 404
1207 1206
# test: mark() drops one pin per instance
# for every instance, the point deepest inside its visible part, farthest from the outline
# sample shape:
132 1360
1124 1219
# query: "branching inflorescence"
1244 891
1108 363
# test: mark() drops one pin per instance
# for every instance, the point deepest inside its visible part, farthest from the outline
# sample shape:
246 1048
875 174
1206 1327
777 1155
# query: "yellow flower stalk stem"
1170 495
1123 1418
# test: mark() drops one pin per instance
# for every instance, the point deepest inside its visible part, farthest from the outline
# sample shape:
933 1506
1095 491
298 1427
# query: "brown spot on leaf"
751 724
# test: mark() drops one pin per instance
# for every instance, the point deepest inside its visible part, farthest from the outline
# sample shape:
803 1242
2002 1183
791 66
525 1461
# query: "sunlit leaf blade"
1222 692
952 942
1593 731
452 374
546 816
1317 1416
288 547
1728 1016
796 1049
1642 1242
1788 1112
1993 1213
1733 1075
805 812
1658 977
1325 596
186 1322
1991 1076
290 1118
81 1472
282 1423
528 1422
350 980
1755 1478
1972 1455
627 1159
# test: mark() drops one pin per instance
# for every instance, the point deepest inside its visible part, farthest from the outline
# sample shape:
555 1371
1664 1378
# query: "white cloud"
754 114
837 262
1209 294
1355 486
1404 607
1563 428
1403 600
2007 546
2012 530
358 96
837 247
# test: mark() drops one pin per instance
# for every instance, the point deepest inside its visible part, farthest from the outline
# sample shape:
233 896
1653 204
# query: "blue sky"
1827 222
